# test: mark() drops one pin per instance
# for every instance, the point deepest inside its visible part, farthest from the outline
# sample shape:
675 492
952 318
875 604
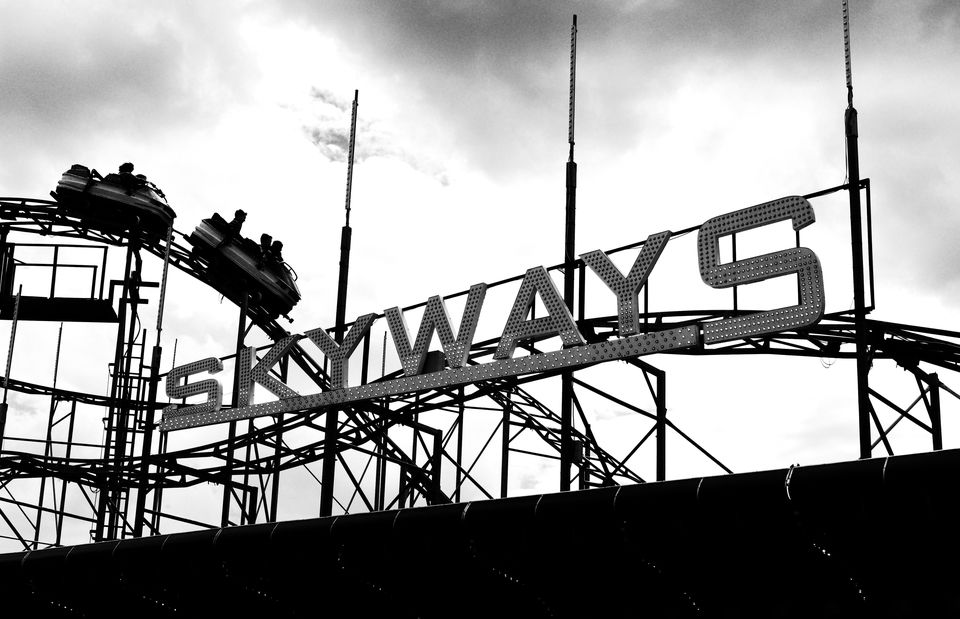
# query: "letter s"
177 388
799 260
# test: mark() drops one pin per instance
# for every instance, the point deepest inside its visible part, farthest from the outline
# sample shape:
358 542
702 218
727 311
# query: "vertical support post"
53 271
365 359
232 430
48 444
158 492
248 515
661 425
330 439
332 422
6 376
63 486
856 238
584 450
125 437
505 448
378 466
7 265
382 457
936 426
415 426
566 379
113 414
582 292
733 258
251 505
272 516
346 234
275 482
103 273
148 429
459 467
436 468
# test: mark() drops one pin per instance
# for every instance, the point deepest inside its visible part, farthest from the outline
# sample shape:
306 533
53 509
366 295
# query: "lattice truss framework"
435 446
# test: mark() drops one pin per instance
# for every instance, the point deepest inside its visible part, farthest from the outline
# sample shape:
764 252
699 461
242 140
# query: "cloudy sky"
685 110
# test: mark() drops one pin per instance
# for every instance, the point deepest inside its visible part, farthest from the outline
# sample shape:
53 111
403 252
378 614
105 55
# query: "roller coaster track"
366 422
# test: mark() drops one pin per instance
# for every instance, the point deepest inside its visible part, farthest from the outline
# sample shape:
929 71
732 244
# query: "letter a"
557 322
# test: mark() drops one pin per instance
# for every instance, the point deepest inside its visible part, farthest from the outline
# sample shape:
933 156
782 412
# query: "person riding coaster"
119 202
239 267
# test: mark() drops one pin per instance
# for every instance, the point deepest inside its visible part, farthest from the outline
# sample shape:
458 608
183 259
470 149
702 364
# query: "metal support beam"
661 425
140 514
505 447
459 473
933 407
232 430
346 234
569 267
856 242
106 483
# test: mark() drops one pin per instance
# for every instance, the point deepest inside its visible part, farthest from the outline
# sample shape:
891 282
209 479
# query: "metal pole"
103 504
661 426
48 444
346 232
415 426
232 431
248 516
459 468
566 385
505 448
63 486
125 379
856 238
6 376
163 284
382 457
436 468
378 467
330 428
275 482
936 426
141 506
53 271
158 493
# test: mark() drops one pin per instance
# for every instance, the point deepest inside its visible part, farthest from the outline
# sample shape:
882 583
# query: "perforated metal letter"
261 372
339 354
178 387
799 260
557 322
627 288
436 318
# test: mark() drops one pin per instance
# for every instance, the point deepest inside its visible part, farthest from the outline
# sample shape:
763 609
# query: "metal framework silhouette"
429 446
414 449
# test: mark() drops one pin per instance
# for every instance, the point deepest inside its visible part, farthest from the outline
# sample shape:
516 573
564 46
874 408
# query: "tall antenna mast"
846 52
353 139
330 439
566 402
856 241
573 84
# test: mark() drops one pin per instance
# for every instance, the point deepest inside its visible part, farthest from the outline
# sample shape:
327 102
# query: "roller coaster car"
115 203
238 266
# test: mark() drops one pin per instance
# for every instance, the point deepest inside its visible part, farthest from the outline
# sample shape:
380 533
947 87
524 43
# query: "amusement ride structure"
375 454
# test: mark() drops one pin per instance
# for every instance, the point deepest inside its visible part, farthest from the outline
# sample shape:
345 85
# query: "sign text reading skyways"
520 327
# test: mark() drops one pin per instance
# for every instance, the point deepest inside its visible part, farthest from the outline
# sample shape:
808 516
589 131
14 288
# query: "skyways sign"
520 327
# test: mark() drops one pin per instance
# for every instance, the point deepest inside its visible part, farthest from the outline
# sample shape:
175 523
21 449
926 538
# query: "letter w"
435 318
